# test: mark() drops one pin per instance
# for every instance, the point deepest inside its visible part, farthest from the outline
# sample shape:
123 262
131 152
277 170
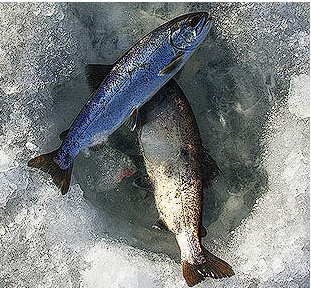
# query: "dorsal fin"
96 73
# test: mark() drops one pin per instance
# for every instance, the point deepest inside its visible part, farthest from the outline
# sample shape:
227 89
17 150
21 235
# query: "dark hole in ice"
229 104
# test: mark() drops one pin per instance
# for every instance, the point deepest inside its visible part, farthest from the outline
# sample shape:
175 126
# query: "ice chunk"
299 95
122 267
6 161
31 146
103 169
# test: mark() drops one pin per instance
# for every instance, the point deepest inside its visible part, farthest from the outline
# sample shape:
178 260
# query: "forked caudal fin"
213 267
45 162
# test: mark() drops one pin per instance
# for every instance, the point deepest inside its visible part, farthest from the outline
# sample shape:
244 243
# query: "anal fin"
63 135
133 119
160 225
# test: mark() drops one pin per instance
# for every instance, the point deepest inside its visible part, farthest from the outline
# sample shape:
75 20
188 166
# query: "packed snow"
249 87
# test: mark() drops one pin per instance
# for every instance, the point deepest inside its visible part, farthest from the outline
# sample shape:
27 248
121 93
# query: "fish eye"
194 21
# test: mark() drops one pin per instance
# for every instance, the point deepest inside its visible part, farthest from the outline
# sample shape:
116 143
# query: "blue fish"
133 80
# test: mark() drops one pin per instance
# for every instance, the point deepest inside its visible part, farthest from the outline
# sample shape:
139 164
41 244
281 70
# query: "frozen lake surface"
248 85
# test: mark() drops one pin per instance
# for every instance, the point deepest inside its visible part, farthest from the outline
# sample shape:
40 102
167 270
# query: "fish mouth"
193 26
205 23
208 20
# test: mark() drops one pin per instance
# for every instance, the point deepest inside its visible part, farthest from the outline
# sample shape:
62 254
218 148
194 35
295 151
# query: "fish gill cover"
248 85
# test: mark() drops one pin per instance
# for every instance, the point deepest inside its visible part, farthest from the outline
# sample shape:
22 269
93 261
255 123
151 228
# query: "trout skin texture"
172 160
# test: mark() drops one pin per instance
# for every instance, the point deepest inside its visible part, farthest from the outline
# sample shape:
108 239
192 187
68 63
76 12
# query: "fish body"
133 80
175 162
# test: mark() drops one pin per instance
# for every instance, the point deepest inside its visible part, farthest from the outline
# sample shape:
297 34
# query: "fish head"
188 31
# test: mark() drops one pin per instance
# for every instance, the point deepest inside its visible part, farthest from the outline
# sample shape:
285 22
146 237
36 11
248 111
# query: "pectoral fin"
132 121
173 65
160 225
143 182
95 74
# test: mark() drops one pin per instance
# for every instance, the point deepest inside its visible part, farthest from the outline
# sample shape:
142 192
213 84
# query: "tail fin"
61 177
213 267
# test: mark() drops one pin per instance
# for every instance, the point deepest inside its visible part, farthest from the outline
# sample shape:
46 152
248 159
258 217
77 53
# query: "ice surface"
299 96
248 85
106 169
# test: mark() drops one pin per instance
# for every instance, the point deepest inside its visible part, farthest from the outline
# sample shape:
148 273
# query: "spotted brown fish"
178 167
